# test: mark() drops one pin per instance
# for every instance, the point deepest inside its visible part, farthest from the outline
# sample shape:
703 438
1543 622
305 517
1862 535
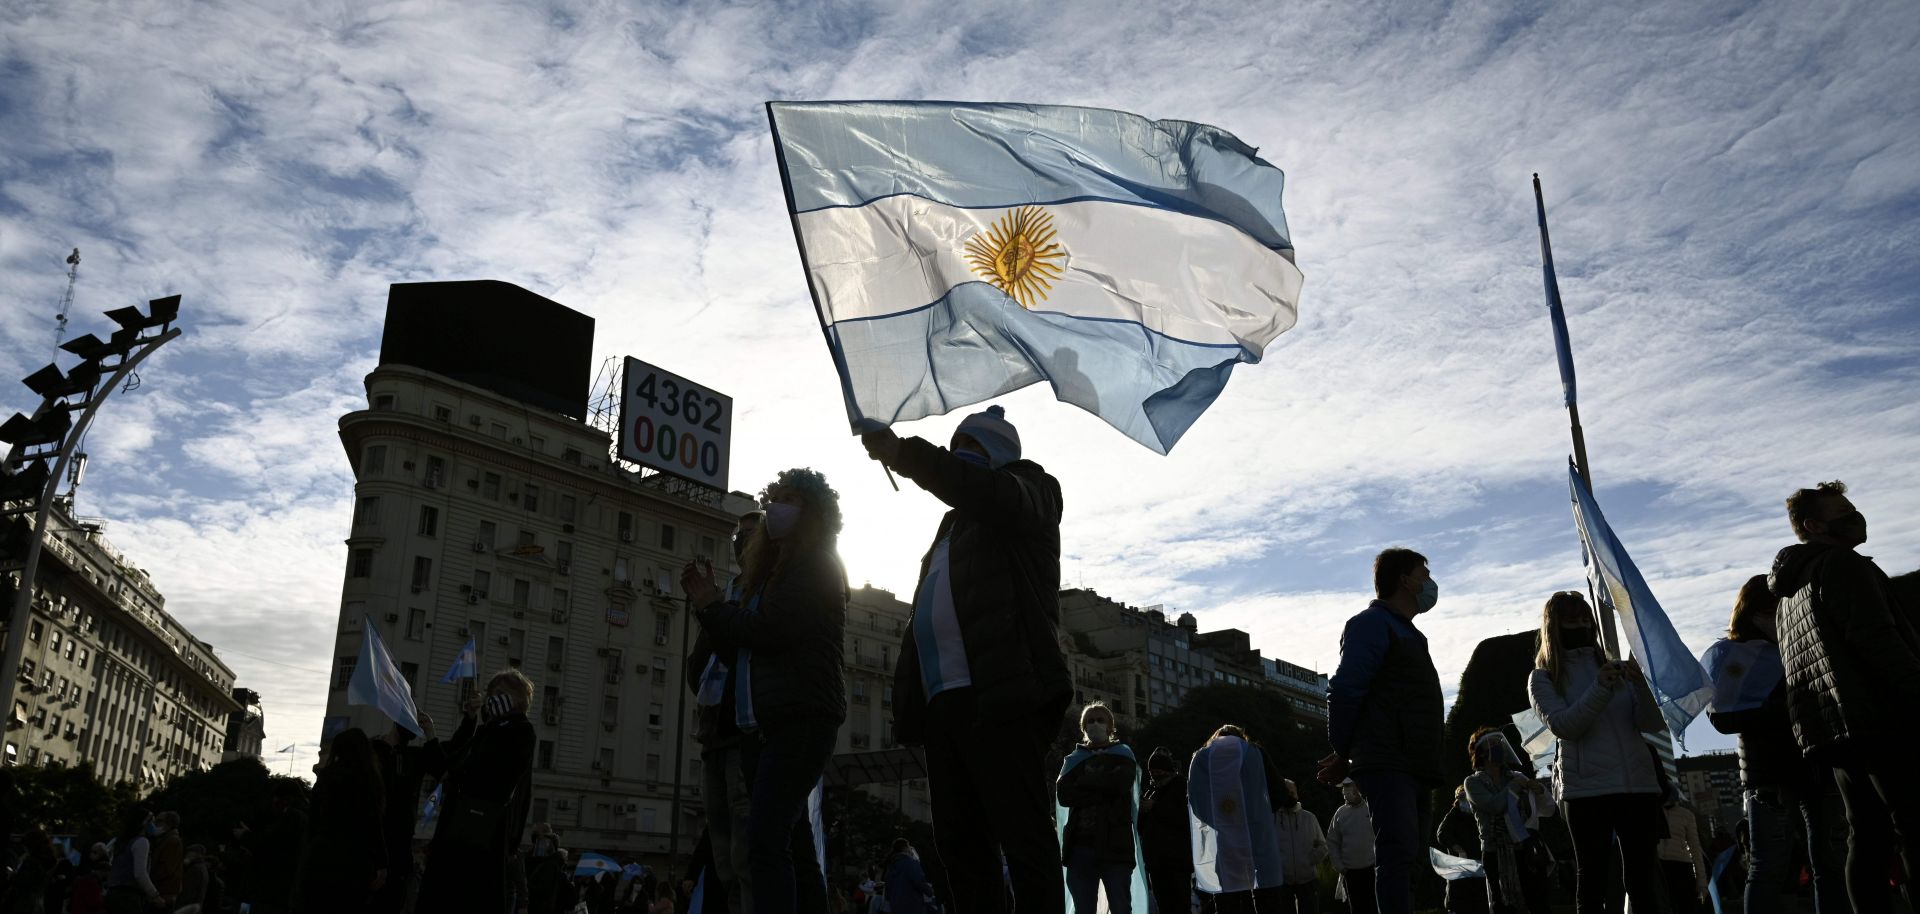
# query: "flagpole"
1564 350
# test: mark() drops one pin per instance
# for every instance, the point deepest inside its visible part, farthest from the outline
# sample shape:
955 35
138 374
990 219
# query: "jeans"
1774 821
1397 847
990 798
1633 819
1086 875
1682 897
725 784
785 763
1880 798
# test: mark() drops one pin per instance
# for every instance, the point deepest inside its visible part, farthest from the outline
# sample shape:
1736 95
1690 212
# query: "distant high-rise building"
108 676
486 509
1711 780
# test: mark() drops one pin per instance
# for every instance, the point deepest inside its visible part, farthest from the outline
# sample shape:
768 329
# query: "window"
556 653
647 823
442 413
654 715
666 537
653 766
83 658
416 624
489 536
481 581
570 455
411 673
621 573
662 627
360 563
562 556
536 444
422 573
610 709
859 691
343 672
522 592
53 644
606 760
567 508
539 810
708 548
34 631
530 497
490 486
383 401
436 473
543 760
499 431
367 512
71 643
886 696
429 520
659 670
524 538
550 701
625 527
560 599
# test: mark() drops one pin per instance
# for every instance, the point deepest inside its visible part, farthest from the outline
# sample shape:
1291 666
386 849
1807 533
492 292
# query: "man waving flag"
957 252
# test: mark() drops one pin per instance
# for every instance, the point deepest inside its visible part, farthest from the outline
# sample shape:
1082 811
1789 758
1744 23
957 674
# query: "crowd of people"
982 686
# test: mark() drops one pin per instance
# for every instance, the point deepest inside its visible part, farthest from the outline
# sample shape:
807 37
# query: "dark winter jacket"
345 845
1098 795
794 632
1852 662
1166 843
907 886
1385 710
1004 557
491 764
1769 758
716 726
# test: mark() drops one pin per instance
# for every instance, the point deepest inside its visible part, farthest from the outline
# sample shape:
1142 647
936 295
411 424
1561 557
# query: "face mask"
1429 595
1572 638
1096 732
497 706
978 460
781 519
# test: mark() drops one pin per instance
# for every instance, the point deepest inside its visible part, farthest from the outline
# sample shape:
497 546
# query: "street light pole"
22 609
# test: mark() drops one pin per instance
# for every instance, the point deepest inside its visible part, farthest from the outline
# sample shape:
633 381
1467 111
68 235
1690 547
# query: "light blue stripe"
976 344
839 154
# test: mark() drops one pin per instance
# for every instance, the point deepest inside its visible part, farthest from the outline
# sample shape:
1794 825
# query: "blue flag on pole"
1679 683
377 682
1561 345
464 665
957 252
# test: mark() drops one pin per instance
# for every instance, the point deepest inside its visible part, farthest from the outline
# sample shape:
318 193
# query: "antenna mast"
66 301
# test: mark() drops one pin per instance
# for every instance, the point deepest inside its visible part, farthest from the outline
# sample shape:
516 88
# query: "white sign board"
675 426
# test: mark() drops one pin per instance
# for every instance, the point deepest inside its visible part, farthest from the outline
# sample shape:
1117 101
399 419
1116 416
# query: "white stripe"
1190 278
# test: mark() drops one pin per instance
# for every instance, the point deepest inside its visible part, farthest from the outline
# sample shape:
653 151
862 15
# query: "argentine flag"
464 663
377 681
957 252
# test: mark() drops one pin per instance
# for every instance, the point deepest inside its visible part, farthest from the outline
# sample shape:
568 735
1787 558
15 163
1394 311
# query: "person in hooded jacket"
786 625
906 882
1097 785
485 774
1852 664
982 683
1780 786
1166 842
1604 773
1302 847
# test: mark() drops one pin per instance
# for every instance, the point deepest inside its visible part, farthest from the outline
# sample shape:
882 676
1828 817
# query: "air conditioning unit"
416 589
473 597
406 464
559 616
631 808
503 640
552 718
563 804
563 566
395 617
555 666
626 536
473 483
473 421
518 441
566 528
513 496
600 652
660 640
596 764
479 546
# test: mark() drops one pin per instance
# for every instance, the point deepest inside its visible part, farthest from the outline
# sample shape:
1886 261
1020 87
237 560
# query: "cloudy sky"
1733 186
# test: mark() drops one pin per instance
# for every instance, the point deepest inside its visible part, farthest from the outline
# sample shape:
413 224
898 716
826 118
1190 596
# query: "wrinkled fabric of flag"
1449 867
957 252
1743 673
377 681
1678 681
1236 844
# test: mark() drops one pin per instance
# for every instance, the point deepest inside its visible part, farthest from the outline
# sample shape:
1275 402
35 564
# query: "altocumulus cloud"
1733 185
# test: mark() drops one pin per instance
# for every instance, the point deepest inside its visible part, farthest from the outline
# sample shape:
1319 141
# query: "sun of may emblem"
1018 255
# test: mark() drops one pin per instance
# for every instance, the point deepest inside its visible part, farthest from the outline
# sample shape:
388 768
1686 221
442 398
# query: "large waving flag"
1679 683
957 252
377 682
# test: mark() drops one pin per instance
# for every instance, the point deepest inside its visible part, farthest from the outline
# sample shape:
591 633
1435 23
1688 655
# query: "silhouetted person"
402 771
275 851
1853 680
982 682
1166 843
346 855
485 774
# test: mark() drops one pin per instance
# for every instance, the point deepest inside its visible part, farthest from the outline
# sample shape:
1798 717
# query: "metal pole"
22 610
680 745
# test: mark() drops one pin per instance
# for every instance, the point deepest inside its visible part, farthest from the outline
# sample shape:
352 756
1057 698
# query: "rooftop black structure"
493 335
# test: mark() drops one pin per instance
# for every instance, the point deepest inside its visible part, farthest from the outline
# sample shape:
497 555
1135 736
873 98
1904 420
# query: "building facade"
108 676
1711 782
246 727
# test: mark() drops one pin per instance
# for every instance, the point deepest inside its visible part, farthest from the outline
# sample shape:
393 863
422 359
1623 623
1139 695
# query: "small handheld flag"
464 665
957 252
377 681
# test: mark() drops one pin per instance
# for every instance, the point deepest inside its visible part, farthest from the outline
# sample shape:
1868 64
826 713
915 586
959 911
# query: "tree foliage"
1295 745
212 802
66 801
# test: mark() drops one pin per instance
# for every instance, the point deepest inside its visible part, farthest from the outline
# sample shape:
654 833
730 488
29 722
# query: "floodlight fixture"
50 383
25 484
88 347
48 428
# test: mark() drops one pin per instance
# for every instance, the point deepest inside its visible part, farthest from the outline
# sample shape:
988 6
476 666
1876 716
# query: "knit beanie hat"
994 433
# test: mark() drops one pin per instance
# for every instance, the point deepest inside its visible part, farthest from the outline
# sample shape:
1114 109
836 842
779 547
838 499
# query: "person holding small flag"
485 773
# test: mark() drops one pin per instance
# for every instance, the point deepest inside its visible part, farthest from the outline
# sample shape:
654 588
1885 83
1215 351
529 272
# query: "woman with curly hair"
790 699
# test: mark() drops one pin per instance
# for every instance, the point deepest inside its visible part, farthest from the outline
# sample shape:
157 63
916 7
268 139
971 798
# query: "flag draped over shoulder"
1678 681
957 252
1138 896
377 682
1743 673
1235 842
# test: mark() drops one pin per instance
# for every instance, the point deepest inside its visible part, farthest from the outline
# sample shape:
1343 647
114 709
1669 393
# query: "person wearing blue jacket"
906 880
